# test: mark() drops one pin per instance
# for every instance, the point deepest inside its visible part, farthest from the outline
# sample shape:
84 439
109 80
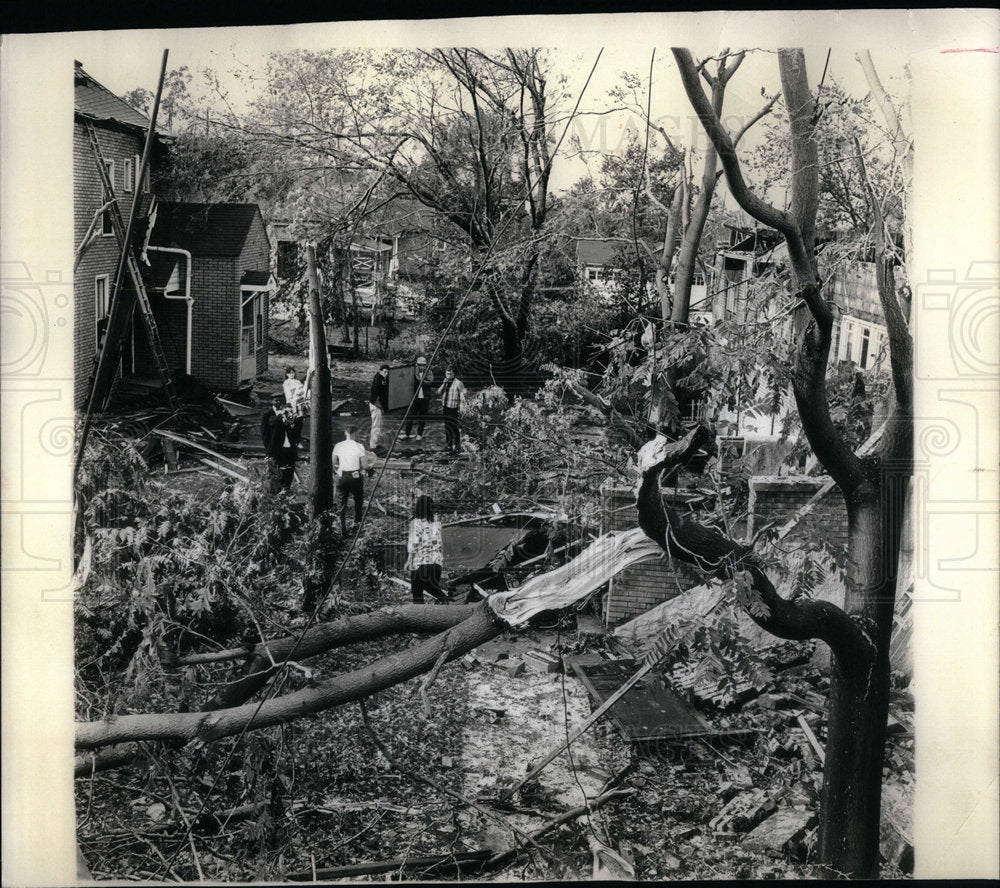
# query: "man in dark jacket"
280 433
422 381
378 404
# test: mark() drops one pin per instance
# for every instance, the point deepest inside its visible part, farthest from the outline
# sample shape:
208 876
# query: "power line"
276 687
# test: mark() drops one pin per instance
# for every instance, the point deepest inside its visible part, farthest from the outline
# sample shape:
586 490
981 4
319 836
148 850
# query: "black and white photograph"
519 449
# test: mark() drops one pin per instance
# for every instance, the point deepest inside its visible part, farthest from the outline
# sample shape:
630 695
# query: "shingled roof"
218 229
94 100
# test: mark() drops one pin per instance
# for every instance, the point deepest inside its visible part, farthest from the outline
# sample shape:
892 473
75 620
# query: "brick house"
121 132
200 310
224 332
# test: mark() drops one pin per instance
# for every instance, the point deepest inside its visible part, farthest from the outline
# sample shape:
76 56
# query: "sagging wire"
278 686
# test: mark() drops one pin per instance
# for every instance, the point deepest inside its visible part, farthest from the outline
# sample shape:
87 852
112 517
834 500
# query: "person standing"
452 394
280 433
378 404
348 463
295 391
425 552
422 381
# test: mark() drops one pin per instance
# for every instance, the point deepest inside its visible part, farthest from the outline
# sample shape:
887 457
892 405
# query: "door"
248 335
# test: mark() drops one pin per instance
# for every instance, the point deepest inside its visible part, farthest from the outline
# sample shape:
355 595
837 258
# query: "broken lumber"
178 439
220 468
459 859
811 737
580 731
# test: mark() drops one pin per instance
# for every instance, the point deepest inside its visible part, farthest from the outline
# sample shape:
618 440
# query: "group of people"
451 391
281 432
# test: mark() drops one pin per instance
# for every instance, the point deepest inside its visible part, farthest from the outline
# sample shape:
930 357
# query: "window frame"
106 280
128 174
107 226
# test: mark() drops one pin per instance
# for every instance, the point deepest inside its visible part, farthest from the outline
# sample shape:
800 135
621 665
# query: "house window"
593 274
102 309
106 226
129 174
866 336
835 339
259 320
247 323
849 342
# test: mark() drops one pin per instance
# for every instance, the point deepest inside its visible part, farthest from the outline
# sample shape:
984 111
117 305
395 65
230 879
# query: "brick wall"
642 586
256 256
171 324
101 257
215 339
778 499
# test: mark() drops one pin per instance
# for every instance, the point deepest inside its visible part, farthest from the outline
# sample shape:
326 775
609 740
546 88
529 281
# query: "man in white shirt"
349 463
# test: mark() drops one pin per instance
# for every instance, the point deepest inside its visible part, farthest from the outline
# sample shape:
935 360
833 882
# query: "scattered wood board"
646 713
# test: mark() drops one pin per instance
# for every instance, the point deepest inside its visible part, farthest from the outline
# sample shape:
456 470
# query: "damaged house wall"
642 586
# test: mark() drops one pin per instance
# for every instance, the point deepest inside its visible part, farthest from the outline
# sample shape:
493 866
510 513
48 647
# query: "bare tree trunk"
874 490
320 429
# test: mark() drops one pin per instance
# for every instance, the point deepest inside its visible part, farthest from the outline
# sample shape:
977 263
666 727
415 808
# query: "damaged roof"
96 101
218 229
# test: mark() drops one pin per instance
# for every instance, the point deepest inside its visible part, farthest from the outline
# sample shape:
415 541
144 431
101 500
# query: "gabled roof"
598 251
94 100
218 229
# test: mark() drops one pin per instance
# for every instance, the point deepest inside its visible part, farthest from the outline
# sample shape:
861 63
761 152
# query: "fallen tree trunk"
175 727
265 659
555 590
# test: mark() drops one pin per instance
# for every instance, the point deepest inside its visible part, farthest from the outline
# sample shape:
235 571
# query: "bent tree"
874 487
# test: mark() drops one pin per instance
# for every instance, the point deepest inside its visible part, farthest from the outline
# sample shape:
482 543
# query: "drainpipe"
187 297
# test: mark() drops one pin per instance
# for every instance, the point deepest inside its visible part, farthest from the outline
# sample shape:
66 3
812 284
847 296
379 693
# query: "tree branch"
717 555
206 726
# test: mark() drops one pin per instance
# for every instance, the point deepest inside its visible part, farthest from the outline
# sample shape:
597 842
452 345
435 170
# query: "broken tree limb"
569 816
392 620
811 737
576 733
716 555
427 682
419 619
552 591
481 626
178 439
460 860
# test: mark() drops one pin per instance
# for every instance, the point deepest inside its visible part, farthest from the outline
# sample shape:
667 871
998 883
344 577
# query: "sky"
124 60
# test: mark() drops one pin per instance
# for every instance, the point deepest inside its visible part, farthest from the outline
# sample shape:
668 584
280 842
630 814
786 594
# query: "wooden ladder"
118 314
